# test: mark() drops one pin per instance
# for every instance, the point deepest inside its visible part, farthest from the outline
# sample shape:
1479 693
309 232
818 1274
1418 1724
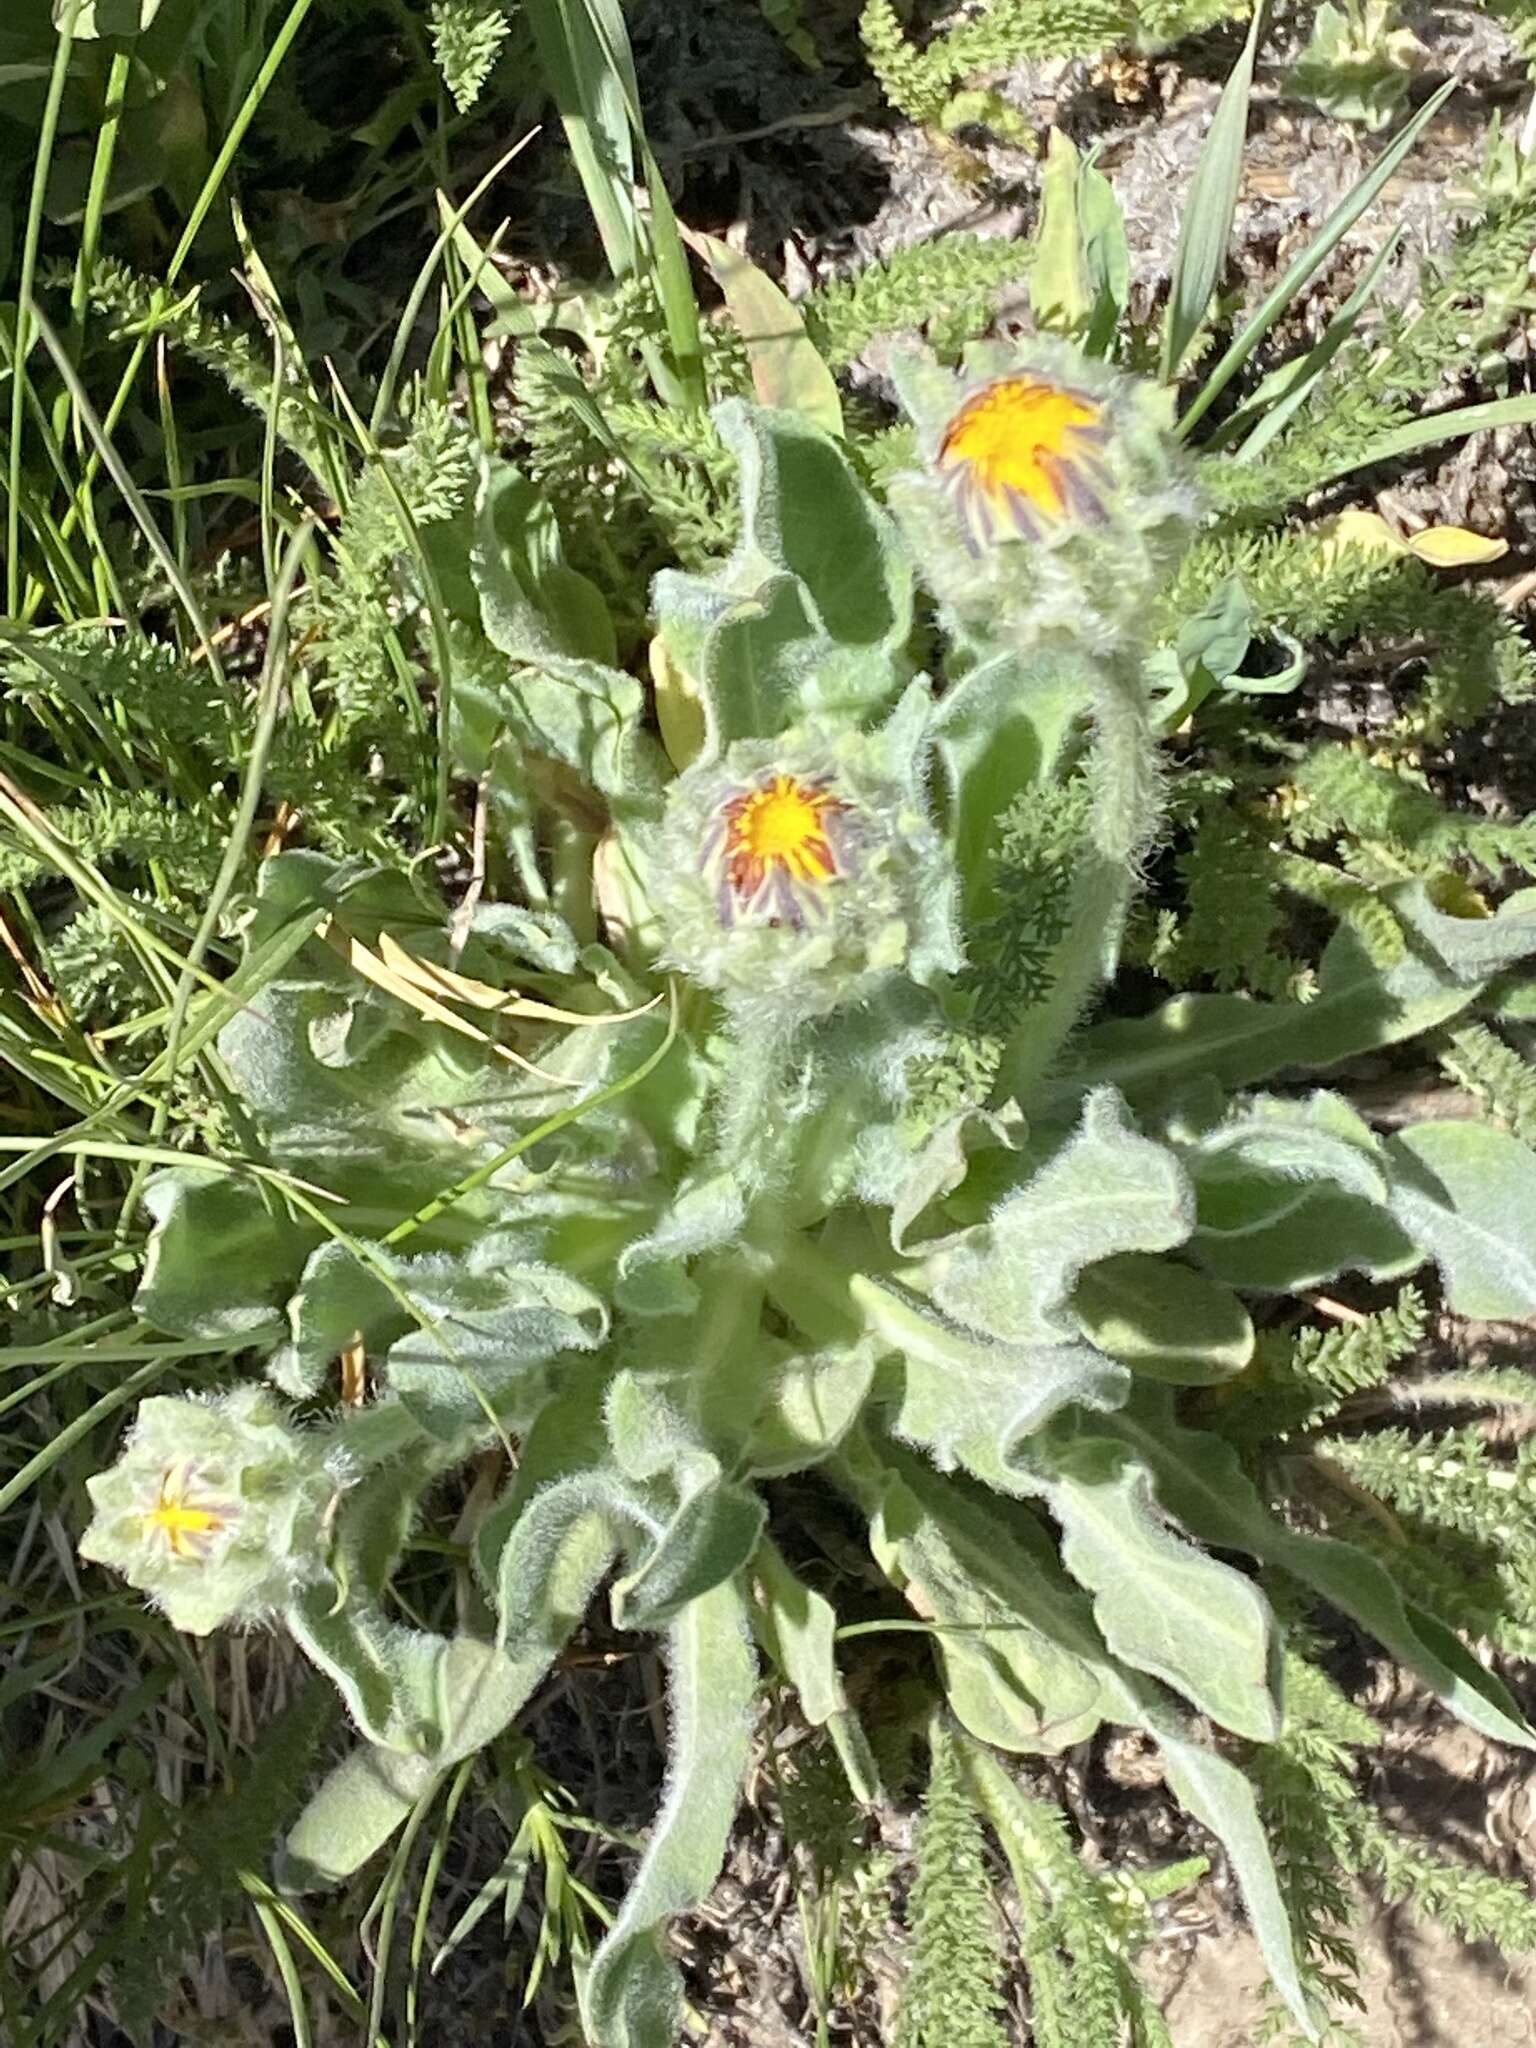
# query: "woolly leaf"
797 1627
709 1538
1233 1039
1163 1320
1199 1478
1268 1236
221 1255
531 603
813 609
356 1809
1008 1624
1467 1193
1221 1799
632 1995
810 1402
487 1319
1107 1190
1163 1605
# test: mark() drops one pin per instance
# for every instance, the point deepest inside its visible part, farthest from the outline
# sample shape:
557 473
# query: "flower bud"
214 1509
796 872
1053 499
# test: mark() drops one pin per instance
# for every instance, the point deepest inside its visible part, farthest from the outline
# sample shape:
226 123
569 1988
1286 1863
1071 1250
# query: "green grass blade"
47 134
1300 272
1281 396
1435 428
1209 208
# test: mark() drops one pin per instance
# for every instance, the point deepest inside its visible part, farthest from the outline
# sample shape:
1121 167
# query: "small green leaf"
1466 1193
222 1255
1163 1320
1059 293
797 1627
1163 1605
632 1995
787 372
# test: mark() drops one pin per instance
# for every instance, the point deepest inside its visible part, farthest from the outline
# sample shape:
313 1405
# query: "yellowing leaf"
787 373
1441 547
1366 533
432 980
1453 547
679 706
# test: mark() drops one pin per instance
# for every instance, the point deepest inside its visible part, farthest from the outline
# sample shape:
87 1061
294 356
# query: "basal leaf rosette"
215 1508
796 873
1052 500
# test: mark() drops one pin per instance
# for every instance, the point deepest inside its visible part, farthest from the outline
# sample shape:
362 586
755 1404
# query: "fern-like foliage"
948 288
138 306
1477 1058
467 36
923 82
952 1996
216 1840
1301 1380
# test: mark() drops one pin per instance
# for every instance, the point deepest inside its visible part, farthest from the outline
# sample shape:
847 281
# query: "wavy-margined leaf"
1007 1624
1271 1236
221 1255
962 1394
1237 1040
1200 1479
1466 1193
632 1994
1316 1137
1045 1599
812 610
1163 1605
1163 1320
485 1320
1107 1190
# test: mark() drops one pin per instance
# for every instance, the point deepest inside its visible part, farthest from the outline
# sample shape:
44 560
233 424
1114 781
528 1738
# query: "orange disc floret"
1023 454
778 843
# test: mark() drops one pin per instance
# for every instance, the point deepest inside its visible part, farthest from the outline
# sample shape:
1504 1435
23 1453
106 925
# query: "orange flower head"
1022 455
187 1519
776 845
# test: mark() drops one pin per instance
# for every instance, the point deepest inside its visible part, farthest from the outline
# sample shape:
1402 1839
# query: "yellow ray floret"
186 1518
776 844
1021 456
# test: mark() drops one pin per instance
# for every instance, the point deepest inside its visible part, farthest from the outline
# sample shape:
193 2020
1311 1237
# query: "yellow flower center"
781 837
187 1526
1025 453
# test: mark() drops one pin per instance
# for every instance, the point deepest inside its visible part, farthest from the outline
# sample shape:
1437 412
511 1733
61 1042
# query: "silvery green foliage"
696 1197
214 1508
890 915
1043 578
